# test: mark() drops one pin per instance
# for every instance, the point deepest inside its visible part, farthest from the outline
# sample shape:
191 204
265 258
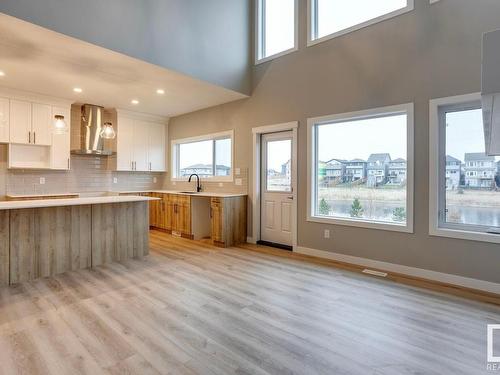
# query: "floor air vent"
375 273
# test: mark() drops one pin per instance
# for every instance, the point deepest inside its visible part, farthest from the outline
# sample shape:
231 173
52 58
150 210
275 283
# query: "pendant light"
60 126
107 131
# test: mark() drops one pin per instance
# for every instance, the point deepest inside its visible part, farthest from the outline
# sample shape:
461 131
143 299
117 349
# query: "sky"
464 133
278 153
279 26
359 139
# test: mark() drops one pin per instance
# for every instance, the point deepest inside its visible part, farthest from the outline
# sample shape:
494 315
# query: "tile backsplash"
87 174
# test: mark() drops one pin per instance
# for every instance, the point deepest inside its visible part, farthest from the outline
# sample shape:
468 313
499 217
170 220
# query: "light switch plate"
115 180
42 180
155 180
174 183
327 233
238 181
221 184
237 171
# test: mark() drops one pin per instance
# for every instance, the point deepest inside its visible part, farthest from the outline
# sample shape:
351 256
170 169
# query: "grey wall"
209 40
432 52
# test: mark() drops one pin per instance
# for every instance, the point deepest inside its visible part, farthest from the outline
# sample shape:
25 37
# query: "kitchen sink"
188 192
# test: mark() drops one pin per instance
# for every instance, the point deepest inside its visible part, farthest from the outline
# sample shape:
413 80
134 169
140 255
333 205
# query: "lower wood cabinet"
228 220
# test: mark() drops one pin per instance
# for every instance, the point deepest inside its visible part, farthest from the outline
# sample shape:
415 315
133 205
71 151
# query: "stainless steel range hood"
91 142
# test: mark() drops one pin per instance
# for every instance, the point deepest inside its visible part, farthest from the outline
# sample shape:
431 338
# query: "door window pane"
279 163
278 26
471 178
361 169
333 16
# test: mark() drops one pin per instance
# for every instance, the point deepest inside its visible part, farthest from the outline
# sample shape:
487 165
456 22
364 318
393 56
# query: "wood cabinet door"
60 150
124 141
4 120
153 211
217 215
156 147
42 124
183 218
168 212
20 122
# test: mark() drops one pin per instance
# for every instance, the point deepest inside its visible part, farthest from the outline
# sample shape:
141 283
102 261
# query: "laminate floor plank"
192 308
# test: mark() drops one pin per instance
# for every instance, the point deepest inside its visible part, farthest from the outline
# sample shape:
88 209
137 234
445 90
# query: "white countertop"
201 194
13 205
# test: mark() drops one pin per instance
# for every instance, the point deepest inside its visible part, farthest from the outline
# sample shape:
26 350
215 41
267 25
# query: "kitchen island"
45 237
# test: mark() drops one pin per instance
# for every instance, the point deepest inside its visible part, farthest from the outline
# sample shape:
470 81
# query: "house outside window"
356 177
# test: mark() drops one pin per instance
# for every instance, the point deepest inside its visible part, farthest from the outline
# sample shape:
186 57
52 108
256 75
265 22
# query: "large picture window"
466 181
361 170
276 28
208 156
330 18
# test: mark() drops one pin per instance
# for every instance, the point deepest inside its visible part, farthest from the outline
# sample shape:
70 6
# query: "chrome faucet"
198 184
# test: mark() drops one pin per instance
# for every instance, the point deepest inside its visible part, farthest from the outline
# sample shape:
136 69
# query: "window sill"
408 228
311 42
465 235
275 56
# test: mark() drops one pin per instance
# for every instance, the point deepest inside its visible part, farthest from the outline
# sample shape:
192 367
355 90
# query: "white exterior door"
140 146
20 122
42 124
4 120
277 195
156 147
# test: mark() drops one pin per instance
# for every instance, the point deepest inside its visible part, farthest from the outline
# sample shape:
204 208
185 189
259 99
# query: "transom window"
361 170
208 156
276 28
465 187
330 18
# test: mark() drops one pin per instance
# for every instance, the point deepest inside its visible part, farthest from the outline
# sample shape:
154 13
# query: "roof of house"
398 160
476 156
379 157
357 161
451 159
336 160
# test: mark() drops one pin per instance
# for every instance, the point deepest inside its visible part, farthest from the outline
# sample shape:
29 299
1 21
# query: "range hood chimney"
491 92
92 124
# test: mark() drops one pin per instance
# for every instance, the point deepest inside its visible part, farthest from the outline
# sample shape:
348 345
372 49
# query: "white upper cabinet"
140 144
20 122
156 147
60 150
41 124
4 120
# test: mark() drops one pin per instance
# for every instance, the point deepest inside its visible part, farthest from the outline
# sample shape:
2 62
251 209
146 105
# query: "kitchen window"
360 169
209 156
464 181
276 28
332 18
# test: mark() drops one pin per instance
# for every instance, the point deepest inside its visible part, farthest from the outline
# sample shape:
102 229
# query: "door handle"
291 198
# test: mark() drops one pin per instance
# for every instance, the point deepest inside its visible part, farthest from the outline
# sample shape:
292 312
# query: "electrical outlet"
115 180
238 181
221 184
42 180
327 233
155 180
174 183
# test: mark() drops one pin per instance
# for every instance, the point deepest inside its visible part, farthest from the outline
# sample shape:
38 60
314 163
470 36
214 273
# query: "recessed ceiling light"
160 91
2 73
134 101
77 89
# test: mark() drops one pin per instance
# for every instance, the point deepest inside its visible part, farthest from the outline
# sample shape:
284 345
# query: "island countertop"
14 205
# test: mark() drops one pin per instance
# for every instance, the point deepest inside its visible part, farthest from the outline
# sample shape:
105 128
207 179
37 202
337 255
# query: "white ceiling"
42 61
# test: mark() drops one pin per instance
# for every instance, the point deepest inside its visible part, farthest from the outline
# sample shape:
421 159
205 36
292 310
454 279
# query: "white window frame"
312 26
408 109
437 170
207 137
260 34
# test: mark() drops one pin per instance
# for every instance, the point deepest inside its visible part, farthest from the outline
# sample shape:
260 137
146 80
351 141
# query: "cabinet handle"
29 137
68 163
149 165
34 138
211 212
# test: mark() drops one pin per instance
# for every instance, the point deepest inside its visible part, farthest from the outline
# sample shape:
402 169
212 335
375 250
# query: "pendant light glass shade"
60 126
107 131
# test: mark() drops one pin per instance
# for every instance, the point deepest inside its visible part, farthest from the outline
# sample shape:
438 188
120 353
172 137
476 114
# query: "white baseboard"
466 282
251 240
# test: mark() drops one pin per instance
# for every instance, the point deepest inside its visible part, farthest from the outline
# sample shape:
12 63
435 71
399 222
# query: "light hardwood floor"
191 308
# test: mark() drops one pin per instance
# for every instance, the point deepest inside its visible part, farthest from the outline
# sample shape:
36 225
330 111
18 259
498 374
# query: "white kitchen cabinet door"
41 129
20 122
124 144
60 150
156 147
4 120
140 145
